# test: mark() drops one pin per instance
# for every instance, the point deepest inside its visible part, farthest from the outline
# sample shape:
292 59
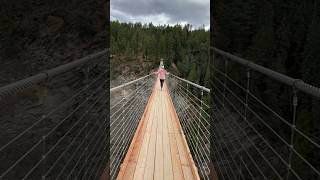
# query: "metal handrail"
228 101
193 84
22 85
129 83
297 83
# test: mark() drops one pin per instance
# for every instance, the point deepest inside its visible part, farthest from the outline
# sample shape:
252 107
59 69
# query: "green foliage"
173 44
193 74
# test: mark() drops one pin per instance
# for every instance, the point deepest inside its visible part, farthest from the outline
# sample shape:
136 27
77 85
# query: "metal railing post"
122 130
248 77
240 167
293 129
43 151
201 103
86 124
201 108
174 90
211 59
247 94
225 82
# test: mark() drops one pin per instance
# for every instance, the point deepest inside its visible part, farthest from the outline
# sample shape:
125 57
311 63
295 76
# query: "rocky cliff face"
38 35
124 69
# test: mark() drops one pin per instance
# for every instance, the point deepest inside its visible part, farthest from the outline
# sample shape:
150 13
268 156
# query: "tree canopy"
179 46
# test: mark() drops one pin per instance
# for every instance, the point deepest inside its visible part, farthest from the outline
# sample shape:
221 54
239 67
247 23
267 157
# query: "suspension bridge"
59 124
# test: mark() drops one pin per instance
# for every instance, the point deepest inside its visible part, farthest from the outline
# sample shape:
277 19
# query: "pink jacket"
162 73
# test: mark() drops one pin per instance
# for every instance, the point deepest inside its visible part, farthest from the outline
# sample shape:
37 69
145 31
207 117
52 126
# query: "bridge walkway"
159 149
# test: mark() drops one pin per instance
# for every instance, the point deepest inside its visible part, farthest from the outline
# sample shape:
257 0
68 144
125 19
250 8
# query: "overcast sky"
194 12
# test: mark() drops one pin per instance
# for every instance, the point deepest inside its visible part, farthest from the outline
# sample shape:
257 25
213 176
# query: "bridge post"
201 109
175 89
293 129
87 71
225 82
247 93
43 150
248 76
201 103
213 173
123 131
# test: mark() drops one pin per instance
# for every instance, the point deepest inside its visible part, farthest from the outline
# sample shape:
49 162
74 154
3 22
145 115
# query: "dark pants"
161 82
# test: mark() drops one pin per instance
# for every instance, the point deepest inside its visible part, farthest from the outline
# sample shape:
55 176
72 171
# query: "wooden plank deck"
159 149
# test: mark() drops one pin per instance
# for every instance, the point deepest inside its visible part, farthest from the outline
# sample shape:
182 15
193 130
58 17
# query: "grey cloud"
195 12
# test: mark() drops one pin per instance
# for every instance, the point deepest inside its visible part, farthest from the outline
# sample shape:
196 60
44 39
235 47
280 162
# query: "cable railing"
253 123
55 124
263 122
191 104
127 104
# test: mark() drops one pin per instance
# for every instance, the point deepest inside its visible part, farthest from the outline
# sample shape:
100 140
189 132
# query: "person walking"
162 75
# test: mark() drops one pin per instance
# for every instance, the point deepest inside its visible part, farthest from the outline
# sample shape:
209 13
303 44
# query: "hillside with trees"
141 46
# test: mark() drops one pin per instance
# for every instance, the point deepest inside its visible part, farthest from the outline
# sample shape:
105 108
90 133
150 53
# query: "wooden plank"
134 157
159 149
175 157
158 174
141 163
142 139
129 171
149 169
181 152
167 168
189 168
126 160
